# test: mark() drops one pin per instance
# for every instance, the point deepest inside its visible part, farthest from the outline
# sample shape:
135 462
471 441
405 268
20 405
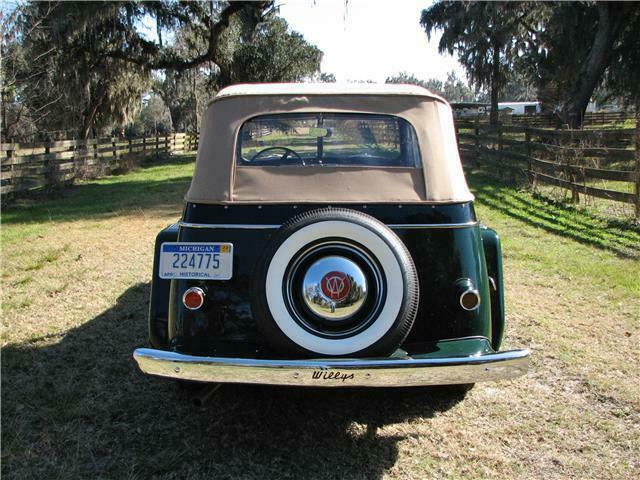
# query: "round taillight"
470 299
468 295
193 298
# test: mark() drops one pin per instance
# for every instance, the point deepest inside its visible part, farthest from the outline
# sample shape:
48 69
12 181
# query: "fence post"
12 170
500 147
47 164
74 159
527 149
477 145
569 142
115 153
637 165
81 157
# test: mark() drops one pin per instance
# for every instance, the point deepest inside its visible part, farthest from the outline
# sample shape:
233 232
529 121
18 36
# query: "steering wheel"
287 152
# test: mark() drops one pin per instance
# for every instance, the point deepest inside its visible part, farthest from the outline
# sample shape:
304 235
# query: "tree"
275 54
432 84
610 23
518 88
86 65
324 78
482 34
579 48
453 89
621 76
17 120
185 93
59 81
153 118
216 30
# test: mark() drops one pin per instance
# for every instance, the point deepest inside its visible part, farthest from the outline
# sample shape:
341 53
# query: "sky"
370 39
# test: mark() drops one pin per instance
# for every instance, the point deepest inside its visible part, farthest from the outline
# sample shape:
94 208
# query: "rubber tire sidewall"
398 263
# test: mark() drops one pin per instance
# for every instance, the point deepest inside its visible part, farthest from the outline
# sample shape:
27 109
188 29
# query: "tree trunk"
638 162
92 111
195 104
174 108
495 84
610 19
174 113
3 115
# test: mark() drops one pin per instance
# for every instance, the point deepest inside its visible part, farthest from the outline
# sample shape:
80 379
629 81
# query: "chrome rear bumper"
392 372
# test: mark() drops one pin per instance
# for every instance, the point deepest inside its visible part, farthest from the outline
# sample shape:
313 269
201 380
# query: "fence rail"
591 119
39 165
569 159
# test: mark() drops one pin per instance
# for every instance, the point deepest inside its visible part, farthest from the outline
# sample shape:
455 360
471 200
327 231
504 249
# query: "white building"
521 108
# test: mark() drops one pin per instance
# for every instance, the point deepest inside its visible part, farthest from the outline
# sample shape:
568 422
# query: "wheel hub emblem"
336 285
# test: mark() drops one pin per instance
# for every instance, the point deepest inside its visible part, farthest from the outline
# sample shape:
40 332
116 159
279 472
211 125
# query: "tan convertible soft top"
217 179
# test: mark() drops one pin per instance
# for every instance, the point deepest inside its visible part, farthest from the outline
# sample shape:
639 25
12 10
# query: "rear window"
328 139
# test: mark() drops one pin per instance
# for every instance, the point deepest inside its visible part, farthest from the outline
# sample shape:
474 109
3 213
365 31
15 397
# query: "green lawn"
75 287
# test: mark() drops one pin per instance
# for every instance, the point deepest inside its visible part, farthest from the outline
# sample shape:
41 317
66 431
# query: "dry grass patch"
74 406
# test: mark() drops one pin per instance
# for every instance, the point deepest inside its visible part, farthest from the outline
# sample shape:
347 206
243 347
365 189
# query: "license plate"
199 261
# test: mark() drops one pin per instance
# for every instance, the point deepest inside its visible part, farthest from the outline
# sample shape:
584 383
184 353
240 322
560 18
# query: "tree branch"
173 61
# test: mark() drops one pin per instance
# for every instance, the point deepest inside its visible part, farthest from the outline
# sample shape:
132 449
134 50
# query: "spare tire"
335 283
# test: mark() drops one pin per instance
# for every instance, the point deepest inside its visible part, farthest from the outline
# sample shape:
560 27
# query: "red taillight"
193 298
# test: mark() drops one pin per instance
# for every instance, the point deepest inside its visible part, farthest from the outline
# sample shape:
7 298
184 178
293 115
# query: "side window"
328 139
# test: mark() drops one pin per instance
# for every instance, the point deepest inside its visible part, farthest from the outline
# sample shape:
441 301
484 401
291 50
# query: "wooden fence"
33 166
570 159
591 119
597 163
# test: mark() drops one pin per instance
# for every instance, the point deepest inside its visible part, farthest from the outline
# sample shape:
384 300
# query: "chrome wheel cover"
353 290
334 288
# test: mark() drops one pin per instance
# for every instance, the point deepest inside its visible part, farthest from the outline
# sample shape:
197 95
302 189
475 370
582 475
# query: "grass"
609 210
74 406
593 206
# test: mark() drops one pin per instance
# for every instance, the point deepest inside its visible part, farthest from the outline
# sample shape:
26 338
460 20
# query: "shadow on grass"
554 217
77 407
158 184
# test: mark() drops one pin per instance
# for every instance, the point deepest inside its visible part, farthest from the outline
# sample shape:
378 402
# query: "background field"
75 279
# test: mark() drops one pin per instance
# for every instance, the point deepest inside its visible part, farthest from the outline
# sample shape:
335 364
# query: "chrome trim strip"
245 226
474 337
432 225
392 372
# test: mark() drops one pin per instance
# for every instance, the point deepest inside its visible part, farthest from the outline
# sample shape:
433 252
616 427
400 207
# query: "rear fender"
493 256
159 302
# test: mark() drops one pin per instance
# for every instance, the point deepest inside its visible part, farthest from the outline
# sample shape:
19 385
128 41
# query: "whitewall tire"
379 329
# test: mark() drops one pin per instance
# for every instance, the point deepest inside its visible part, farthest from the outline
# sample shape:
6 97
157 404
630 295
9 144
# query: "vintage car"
328 239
